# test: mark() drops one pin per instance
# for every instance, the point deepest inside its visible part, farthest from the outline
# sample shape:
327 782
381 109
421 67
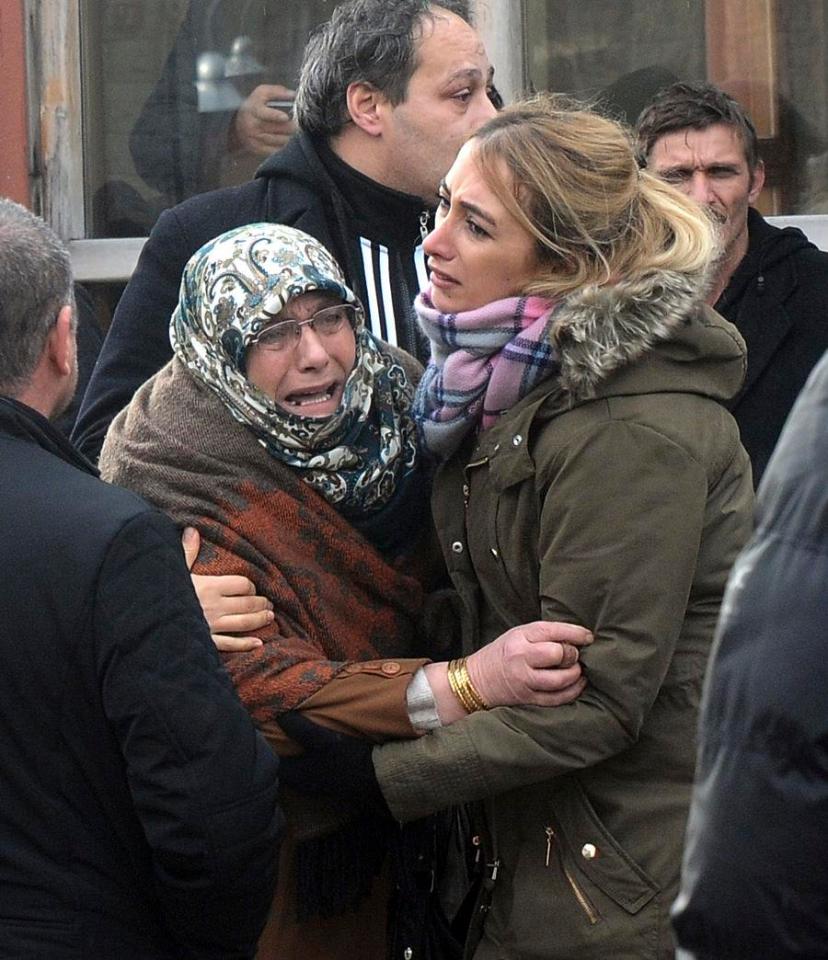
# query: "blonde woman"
588 473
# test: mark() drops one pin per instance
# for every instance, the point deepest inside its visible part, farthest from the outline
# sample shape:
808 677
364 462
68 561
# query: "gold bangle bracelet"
463 688
469 688
456 689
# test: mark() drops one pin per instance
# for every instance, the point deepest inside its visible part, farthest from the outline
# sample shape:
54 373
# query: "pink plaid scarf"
482 362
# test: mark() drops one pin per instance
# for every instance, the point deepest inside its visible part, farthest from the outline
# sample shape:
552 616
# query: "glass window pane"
162 81
619 52
154 133
802 51
771 57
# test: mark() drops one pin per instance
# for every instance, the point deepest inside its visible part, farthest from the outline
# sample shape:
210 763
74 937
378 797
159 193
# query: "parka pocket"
595 854
554 853
566 888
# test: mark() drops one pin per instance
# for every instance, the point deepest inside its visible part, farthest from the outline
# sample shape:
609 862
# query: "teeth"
311 398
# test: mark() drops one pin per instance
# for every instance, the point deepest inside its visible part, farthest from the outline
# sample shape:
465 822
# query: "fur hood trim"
600 329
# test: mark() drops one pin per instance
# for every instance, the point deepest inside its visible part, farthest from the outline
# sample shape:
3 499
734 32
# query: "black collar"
383 211
767 246
25 423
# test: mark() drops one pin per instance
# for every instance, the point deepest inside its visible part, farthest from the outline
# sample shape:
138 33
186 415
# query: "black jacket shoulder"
140 818
778 300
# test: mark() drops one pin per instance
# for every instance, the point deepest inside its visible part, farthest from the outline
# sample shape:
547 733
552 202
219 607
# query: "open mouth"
311 398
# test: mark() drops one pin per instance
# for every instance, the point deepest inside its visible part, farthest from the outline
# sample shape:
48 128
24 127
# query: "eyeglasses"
286 334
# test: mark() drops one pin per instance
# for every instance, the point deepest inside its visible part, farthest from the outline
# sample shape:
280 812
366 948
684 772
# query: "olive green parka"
616 495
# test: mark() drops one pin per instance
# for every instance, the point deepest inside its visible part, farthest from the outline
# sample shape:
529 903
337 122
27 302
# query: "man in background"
771 284
388 92
138 815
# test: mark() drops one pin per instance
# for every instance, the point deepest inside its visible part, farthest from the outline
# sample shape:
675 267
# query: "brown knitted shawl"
335 598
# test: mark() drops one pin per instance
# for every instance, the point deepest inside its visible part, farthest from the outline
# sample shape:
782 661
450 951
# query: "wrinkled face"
477 252
446 101
306 378
710 167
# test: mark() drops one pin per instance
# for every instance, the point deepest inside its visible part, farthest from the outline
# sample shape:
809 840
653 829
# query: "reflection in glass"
772 57
163 83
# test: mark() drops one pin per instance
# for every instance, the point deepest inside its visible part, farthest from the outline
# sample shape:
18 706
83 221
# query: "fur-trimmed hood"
600 329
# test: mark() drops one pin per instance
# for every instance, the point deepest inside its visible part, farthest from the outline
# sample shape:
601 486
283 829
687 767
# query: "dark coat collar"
755 299
383 213
767 247
24 423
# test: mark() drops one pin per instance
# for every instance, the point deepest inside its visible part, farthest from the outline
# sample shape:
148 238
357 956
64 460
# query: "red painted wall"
14 166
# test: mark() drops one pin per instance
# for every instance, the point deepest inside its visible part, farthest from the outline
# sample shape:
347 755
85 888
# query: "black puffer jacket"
755 879
778 300
138 816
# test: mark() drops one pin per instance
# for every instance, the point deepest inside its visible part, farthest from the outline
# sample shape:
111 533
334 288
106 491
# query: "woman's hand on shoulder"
229 603
535 663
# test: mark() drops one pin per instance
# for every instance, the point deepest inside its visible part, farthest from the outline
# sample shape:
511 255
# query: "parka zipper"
580 896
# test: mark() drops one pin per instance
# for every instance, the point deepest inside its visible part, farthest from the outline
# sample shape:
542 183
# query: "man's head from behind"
396 88
701 140
38 363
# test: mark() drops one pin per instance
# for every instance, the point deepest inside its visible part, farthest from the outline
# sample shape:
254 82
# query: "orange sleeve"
366 699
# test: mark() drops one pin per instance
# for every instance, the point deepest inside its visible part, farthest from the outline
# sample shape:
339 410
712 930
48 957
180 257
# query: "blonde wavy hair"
576 187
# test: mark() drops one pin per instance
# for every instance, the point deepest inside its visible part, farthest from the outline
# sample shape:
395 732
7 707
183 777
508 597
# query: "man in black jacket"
755 878
771 283
138 816
387 94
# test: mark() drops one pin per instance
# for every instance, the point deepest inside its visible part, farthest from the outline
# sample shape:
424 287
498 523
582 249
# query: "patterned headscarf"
232 287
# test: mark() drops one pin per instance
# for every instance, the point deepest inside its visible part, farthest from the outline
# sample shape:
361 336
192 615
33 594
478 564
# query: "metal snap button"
589 851
517 440
457 547
390 668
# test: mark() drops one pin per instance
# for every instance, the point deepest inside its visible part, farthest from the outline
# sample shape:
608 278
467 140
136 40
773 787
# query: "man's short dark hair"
35 282
694 106
365 41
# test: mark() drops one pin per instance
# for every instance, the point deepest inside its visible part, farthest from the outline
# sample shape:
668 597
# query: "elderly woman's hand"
229 603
